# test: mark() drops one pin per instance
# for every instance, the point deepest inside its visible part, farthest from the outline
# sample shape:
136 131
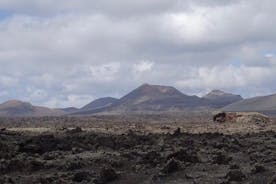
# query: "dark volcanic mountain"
220 98
263 104
157 98
145 99
18 108
99 103
154 98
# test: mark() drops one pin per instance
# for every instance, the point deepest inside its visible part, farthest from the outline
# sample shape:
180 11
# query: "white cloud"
104 73
269 55
68 101
8 81
4 93
143 66
69 52
227 77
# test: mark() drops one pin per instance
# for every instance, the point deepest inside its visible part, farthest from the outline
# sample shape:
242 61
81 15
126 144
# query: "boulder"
107 175
235 175
219 117
171 166
241 117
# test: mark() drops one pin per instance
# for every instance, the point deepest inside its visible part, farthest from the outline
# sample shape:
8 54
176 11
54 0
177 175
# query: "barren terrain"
136 149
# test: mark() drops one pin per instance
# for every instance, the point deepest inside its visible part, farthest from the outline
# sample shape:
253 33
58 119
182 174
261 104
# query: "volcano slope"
77 156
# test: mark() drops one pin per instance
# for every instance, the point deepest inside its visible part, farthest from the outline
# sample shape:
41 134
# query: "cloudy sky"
62 53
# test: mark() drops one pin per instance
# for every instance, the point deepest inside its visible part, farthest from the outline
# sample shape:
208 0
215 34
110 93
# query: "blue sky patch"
236 63
4 14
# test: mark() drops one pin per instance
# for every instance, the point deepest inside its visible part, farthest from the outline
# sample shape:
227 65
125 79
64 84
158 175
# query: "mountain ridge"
219 98
263 104
99 103
149 99
15 108
153 98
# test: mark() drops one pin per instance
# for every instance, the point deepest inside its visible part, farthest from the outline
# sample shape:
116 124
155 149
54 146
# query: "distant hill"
95 106
154 98
99 103
69 109
157 98
15 108
220 98
149 99
263 104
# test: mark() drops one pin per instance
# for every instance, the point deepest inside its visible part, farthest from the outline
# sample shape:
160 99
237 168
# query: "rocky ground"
78 156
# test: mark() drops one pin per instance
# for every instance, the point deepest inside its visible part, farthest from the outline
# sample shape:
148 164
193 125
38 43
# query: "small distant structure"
241 117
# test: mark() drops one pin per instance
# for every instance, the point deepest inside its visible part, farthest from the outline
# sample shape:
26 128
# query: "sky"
61 53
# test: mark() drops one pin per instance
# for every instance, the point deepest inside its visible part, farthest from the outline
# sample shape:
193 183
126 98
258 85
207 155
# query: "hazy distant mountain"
154 98
19 108
99 103
220 98
263 104
69 109
149 99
